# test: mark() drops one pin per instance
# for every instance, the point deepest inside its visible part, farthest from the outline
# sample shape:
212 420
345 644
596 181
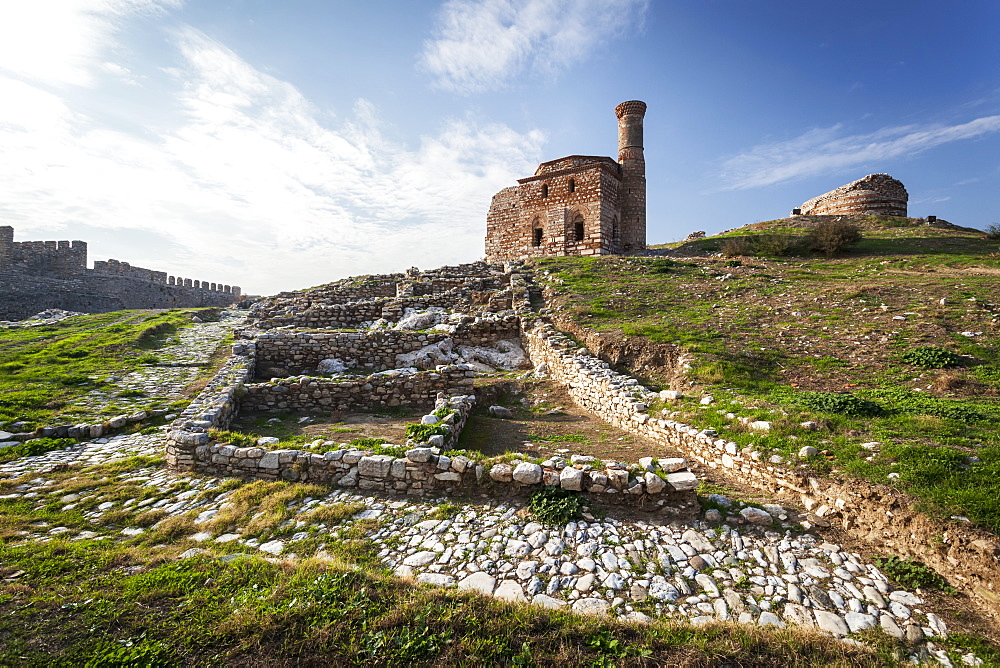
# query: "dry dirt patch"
547 420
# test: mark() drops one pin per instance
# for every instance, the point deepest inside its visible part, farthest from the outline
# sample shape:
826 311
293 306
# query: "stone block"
682 481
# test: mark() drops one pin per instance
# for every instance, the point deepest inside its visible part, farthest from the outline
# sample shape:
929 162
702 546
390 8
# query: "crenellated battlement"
61 258
35 275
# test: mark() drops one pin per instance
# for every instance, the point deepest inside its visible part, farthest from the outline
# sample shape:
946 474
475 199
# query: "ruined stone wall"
300 352
878 194
880 515
389 388
350 315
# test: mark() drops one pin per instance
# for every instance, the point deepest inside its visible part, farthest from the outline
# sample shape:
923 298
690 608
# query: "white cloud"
825 150
58 42
248 186
482 44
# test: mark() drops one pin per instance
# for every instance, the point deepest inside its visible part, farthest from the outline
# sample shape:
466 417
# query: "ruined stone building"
878 194
39 275
577 205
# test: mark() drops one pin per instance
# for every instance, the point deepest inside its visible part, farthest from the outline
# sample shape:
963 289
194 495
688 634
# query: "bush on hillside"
930 357
841 403
993 231
736 247
831 237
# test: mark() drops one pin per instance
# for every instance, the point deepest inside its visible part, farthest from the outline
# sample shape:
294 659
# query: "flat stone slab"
480 582
510 591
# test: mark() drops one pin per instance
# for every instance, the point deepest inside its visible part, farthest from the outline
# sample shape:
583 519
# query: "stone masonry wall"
389 388
38 275
351 314
300 352
878 194
883 516
23 295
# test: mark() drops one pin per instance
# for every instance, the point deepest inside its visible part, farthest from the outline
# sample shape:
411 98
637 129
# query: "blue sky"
282 145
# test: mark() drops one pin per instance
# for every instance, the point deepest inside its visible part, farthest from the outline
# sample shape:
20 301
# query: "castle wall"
38 275
23 295
878 194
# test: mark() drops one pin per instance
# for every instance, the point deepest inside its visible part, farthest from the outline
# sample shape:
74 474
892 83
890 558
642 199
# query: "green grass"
45 368
869 345
134 602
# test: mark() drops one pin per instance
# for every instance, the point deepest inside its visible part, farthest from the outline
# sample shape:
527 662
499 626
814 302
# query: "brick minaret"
630 157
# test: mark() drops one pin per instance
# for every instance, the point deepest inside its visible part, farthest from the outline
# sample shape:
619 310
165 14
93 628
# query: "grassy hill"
888 351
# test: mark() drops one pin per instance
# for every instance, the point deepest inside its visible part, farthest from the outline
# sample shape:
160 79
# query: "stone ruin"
878 194
414 340
40 275
577 205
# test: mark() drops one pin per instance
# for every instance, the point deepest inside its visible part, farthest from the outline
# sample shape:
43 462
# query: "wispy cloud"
828 150
482 45
245 180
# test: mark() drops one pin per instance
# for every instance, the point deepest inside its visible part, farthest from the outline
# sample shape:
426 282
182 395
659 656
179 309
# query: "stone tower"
633 164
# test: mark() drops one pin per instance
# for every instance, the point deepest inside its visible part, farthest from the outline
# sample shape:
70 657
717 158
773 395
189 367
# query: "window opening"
572 186
536 236
545 190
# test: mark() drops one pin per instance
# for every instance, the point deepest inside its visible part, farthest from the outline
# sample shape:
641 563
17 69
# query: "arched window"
536 233
572 186
545 190
578 228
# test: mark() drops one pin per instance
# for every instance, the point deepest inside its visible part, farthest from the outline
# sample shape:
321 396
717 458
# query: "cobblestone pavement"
179 364
631 569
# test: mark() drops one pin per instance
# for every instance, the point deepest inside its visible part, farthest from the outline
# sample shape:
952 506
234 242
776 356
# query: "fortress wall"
23 295
300 352
51 258
37 275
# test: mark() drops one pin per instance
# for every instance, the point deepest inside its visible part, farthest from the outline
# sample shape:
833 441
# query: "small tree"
993 231
832 236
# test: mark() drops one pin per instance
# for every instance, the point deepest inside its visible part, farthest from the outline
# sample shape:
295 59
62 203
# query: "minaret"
633 164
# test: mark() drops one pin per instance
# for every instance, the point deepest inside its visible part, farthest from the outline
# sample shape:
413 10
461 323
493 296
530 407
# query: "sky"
280 145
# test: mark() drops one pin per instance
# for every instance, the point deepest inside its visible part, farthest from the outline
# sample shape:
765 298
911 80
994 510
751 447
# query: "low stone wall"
300 352
213 408
425 470
390 388
881 515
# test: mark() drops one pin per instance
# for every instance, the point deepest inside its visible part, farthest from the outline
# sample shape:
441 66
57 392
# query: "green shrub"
773 244
841 403
736 247
912 573
931 357
237 438
663 265
422 432
733 263
555 505
367 443
832 236
993 231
